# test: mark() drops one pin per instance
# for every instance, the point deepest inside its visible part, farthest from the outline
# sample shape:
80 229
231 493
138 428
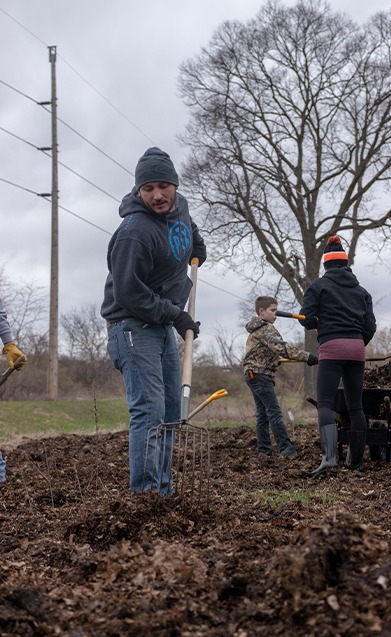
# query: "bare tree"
226 348
27 307
381 343
85 337
290 139
85 333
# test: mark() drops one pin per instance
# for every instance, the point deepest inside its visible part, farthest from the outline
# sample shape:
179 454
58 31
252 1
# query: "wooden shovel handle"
188 353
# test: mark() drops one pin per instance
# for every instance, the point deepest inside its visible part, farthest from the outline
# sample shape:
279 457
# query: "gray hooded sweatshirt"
148 258
5 329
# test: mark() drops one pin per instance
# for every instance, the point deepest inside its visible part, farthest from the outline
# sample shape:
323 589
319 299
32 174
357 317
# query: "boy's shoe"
289 453
265 454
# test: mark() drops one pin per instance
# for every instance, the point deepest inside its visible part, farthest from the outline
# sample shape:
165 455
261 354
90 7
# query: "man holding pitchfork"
145 294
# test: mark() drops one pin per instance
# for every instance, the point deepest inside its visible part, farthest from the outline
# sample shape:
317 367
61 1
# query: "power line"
88 141
90 223
44 151
107 100
93 145
22 26
217 287
17 90
11 183
20 138
94 225
46 197
85 179
83 78
43 104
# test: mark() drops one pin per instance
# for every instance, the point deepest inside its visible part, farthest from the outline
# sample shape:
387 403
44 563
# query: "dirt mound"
334 566
274 554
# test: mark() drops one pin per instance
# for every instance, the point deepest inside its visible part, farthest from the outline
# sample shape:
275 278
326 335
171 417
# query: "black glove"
184 322
312 360
199 252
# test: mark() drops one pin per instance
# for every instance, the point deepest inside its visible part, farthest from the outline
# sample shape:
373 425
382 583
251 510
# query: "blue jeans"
268 414
2 468
148 359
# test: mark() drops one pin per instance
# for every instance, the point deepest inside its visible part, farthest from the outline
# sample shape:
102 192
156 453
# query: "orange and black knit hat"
334 251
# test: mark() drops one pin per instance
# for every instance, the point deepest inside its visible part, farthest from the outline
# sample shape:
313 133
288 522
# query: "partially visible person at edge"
144 298
340 309
264 347
11 352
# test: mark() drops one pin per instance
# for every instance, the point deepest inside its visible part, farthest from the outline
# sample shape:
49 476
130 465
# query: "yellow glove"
13 353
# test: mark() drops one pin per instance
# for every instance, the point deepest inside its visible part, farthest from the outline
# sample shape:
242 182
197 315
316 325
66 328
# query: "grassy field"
29 418
37 418
62 416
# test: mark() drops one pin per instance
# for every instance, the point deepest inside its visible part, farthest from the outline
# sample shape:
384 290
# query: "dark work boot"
328 443
354 459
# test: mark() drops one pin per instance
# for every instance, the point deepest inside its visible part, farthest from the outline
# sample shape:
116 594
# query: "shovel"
378 358
290 315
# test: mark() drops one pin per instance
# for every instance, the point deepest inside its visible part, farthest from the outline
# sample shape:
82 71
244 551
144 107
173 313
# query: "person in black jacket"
340 309
146 290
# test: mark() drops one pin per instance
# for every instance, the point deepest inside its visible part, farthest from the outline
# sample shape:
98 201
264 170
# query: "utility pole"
52 385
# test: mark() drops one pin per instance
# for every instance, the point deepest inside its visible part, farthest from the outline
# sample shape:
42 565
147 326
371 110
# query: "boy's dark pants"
268 413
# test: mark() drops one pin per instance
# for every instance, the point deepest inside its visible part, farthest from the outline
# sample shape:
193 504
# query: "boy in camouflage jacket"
264 347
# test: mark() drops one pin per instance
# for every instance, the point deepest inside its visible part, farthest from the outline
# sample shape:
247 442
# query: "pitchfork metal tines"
186 450
177 458
177 461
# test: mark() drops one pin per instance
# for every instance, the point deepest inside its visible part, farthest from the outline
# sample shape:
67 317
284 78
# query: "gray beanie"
155 165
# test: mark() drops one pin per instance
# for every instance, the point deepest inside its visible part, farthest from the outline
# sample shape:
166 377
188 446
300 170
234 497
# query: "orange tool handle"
290 315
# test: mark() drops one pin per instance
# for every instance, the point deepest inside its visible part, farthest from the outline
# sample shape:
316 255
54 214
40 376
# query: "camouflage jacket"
265 346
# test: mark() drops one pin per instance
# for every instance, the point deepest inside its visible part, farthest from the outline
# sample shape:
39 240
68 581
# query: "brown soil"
276 552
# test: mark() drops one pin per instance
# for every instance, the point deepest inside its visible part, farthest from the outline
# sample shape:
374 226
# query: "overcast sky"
117 71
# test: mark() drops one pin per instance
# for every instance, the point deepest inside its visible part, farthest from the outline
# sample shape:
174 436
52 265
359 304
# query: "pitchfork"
181 446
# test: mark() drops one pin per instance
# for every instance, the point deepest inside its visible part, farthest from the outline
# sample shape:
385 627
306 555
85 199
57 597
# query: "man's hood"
342 276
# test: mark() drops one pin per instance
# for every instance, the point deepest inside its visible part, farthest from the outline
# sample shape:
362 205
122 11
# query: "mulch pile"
378 376
276 553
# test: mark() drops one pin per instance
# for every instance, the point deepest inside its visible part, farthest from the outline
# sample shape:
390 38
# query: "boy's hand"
312 360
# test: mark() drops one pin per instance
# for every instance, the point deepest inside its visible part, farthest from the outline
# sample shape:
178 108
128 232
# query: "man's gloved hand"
13 353
199 252
312 360
184 322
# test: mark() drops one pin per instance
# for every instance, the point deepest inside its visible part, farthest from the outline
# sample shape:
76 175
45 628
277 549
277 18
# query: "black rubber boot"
328 443
355 454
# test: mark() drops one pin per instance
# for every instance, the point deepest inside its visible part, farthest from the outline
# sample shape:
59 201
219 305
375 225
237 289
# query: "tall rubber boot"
356 449
328 443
